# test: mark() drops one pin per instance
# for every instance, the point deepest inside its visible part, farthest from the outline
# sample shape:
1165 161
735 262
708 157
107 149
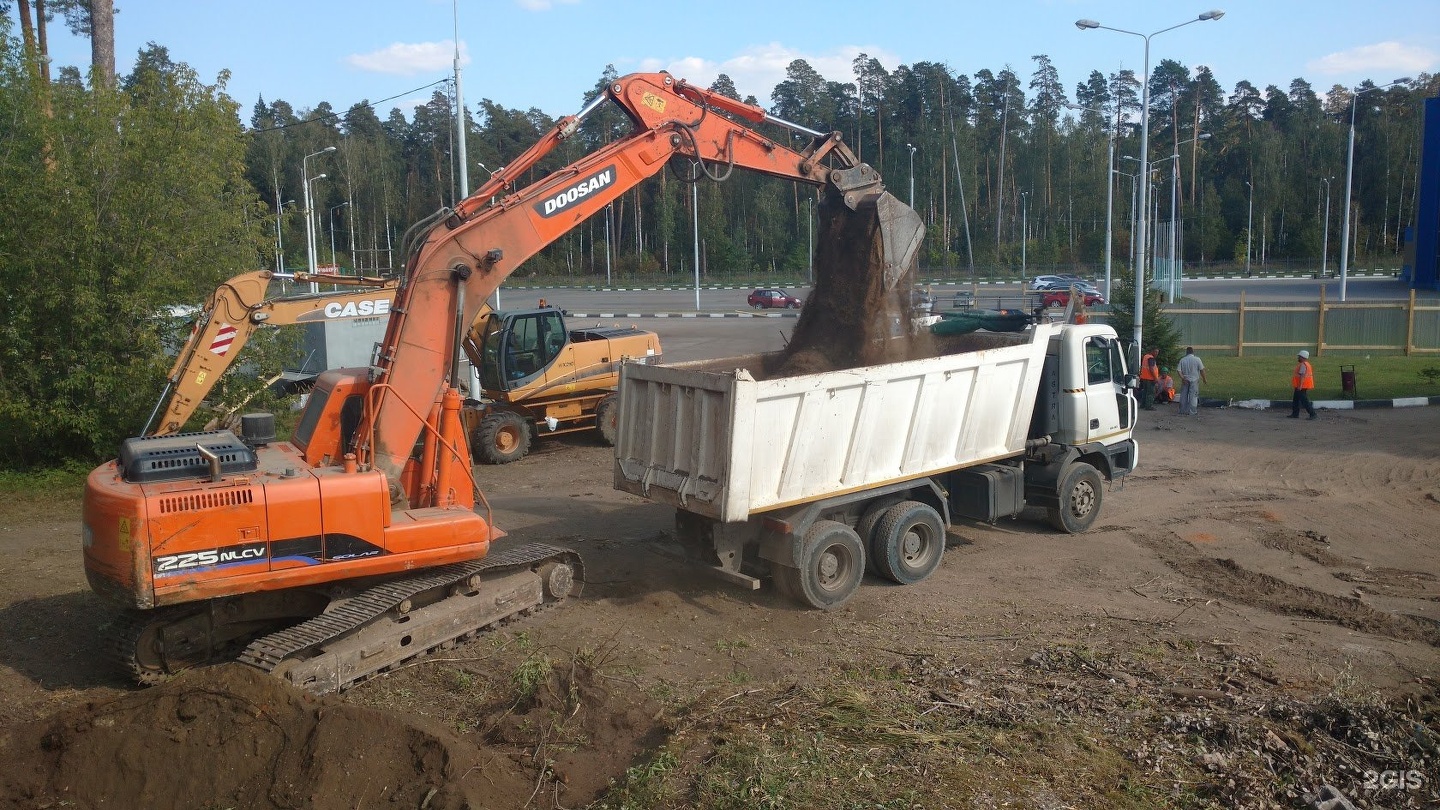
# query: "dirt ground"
1258 611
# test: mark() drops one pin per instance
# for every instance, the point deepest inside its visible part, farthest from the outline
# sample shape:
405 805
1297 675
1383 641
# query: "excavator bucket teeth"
900 232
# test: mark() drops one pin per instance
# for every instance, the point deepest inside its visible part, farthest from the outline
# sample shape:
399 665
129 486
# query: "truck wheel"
909 541
1080 497
832 565
607 418
502 437
865 527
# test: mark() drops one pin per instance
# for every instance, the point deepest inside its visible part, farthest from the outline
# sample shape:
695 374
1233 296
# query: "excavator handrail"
370 402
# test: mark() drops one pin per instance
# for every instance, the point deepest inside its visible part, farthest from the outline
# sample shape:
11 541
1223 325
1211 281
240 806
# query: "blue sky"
549 53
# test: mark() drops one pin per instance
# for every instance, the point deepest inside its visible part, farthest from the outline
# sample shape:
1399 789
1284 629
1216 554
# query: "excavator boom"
239 307
465 258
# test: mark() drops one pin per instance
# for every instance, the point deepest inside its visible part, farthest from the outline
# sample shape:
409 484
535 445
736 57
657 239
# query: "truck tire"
909 541
502 437
1080 497
607 418
832 564
865 527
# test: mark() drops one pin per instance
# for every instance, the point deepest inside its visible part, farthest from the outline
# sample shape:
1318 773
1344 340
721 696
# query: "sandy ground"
1311 548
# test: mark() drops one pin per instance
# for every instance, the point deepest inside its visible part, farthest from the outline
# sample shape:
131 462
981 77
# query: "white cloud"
1382 58
410 58
542 5
757 69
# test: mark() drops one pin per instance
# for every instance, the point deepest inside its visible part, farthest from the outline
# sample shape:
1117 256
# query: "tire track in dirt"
1227 579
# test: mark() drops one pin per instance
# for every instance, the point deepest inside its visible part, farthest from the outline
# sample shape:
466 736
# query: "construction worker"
1149 377
1165 388
1302 381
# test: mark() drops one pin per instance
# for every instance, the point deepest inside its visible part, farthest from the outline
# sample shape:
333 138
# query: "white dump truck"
808 480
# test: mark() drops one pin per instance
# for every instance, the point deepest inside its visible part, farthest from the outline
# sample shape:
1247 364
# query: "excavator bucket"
901 230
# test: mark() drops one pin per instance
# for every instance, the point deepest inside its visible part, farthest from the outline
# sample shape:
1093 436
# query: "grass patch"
1376 377
878 745
67 480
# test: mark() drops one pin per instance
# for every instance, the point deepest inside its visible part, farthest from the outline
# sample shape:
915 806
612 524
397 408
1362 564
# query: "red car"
772 299
1059 298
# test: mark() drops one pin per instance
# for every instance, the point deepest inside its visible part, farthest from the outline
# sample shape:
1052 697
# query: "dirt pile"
233 737
230 736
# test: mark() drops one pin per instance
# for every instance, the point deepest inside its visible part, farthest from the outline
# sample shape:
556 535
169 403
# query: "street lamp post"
280 240
1109 212
1325 233
333 260
1214 14
1249 226
309 208
1174 209
310 254
1349 174
1024 231
911 147
810 239
1109 195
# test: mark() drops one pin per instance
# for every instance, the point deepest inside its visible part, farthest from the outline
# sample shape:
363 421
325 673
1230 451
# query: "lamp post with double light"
311 257
309 206
1349 175
1084 25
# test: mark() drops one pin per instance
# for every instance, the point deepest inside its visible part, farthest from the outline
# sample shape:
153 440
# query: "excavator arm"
465 258
233 313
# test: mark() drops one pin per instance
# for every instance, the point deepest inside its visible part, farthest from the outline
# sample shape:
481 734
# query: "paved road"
732 301
717 330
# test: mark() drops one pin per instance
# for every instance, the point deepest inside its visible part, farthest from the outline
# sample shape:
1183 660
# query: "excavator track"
405 618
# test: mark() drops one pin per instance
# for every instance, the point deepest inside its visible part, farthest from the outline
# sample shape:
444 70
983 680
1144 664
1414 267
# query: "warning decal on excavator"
556 203
224 336
653 101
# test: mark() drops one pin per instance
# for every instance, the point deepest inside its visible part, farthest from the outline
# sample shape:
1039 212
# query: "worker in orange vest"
1149 377
1165 389
1302 381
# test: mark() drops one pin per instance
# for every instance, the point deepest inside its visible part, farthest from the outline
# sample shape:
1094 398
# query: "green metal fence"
1324 327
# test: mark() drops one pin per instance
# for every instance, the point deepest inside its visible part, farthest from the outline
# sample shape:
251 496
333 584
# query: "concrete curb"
1325 404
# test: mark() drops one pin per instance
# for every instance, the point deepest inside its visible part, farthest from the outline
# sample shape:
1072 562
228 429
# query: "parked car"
1061 281
772 299
1059 298
921 303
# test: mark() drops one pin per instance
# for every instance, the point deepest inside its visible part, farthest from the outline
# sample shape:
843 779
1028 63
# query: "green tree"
1157 330
139 203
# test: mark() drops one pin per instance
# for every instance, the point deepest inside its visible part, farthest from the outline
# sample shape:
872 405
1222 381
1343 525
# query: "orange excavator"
357 544
235 311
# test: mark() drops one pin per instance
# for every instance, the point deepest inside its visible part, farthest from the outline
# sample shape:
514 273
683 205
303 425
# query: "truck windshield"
1102 361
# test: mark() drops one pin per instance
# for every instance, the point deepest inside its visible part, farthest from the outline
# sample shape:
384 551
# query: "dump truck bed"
717 439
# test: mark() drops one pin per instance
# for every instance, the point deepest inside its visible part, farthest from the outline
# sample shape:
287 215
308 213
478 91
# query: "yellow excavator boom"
237 308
